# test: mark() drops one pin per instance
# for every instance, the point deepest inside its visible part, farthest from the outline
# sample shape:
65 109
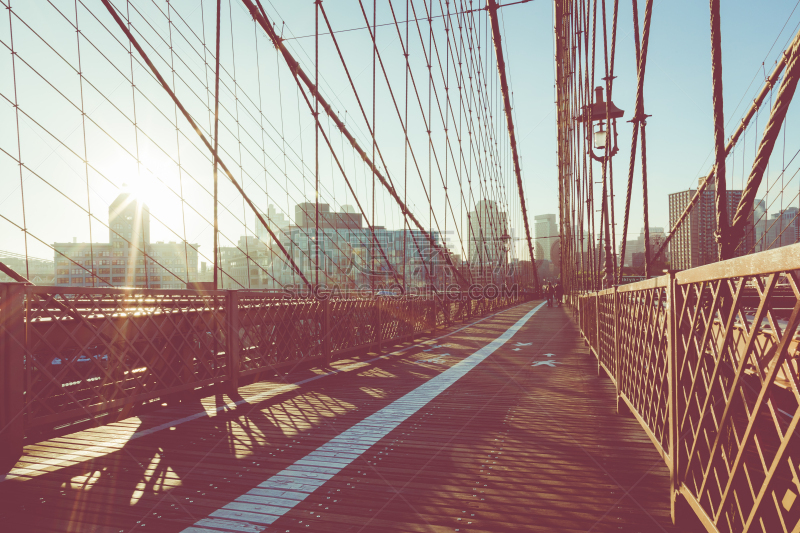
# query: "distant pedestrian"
548 292
559 293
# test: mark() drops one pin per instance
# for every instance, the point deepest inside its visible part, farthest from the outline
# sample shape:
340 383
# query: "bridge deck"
490 444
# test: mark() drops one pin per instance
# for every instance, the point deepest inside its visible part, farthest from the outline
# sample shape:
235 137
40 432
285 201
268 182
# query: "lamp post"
606 115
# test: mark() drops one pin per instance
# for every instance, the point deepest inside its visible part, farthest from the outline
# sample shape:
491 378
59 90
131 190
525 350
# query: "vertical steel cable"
648 15
208 104
178 145
86 155
216 146
609 79
607 179
610 90
261 127
316 142
720 192
600 235
447 113
634 142
19 141
428 61
374 128
238 142
639 121
406 226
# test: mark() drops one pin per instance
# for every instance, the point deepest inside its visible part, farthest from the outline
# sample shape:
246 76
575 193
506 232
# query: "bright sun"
150 188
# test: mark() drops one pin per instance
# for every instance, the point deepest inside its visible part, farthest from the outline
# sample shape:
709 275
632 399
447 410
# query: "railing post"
379 325
233 342
433 314
596 336
617 352
672 377
583 314
326 330
12 371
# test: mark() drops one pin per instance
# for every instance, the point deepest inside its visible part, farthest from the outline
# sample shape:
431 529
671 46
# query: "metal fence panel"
709 363
90 350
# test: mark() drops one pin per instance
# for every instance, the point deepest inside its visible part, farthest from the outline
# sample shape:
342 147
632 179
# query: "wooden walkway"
457 433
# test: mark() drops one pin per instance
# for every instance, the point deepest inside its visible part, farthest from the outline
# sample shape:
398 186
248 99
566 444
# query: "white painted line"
43 466
301 479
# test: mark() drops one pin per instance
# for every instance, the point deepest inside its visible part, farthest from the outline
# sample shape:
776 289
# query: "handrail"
777 260
645 284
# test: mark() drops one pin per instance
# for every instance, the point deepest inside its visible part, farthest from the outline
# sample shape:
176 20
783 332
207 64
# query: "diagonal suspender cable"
769 83
259 15
771 131
191 121
501 67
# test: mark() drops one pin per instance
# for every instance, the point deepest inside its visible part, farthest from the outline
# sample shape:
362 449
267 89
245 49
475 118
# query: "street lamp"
604 113
601 112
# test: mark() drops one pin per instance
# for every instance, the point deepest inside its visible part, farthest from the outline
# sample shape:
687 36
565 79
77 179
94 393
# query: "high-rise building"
128 221
759 223
305 217
546 233
277 223
488 233
694 244
636 246
780 230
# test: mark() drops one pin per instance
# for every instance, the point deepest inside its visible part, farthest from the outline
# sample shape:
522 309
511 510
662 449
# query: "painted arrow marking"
551 363
516 349
436 360
549 354
523 344
434 347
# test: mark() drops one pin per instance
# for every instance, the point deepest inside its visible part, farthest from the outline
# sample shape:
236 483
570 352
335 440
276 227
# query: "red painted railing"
70 354
708 361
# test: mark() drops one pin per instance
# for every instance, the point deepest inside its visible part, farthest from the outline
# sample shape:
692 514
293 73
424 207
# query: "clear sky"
270 131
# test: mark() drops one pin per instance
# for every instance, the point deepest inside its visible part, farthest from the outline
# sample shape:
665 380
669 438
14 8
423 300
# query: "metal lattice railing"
707 361
72 353
644 356
89 350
